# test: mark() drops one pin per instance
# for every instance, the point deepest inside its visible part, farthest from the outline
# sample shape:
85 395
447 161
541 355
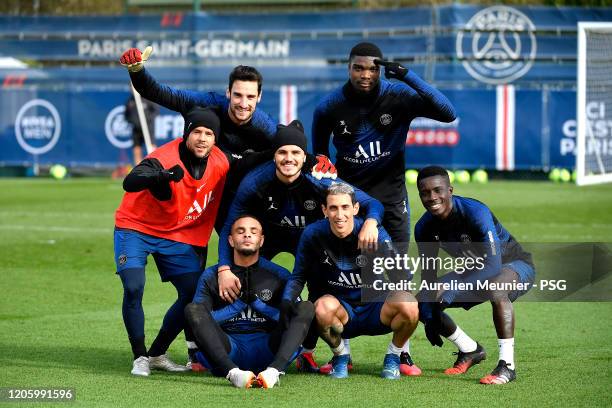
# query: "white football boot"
165 364
141 367
268 378
240 378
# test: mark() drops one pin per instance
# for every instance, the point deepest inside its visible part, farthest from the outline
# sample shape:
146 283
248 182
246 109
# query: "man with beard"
168 211
240 338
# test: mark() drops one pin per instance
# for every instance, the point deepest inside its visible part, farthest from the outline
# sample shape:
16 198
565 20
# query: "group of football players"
253 180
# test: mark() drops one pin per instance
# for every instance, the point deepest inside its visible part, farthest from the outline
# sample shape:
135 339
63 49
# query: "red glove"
134 59
324 168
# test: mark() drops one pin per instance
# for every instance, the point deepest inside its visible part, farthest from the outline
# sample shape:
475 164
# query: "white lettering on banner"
429 132
599 132
37 126
218 48
169 127
103 48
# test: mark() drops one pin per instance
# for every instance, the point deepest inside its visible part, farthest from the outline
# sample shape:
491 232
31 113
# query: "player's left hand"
447 297
392 69
134 60
368 236
324 168
431 315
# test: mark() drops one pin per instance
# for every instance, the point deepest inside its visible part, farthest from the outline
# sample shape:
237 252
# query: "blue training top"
470 231
332 265
284 210
257 309
369 132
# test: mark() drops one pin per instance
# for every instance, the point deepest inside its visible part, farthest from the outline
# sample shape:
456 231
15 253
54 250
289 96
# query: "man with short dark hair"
244 128
369 118
246 336
466 228
330 261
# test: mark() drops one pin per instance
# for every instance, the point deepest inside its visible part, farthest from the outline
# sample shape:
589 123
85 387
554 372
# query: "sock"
192 349
161 343
406 347
307 350
464 343
393 349
506 351
138 347
340 350
347 345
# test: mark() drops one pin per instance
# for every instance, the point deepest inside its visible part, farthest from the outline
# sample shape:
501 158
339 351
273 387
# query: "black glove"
286 311
431 316
175 173
392 69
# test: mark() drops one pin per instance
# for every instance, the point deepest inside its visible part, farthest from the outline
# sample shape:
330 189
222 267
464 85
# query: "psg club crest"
265 295
497 45
386 119
310 205
361 261
122 259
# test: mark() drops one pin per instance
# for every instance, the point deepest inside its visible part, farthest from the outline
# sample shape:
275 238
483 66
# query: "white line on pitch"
56 229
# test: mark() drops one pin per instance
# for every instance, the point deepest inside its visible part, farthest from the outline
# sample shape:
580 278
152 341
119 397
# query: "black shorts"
397 222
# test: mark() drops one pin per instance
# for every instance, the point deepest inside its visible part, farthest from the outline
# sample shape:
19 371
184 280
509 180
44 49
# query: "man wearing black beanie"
369 118
286 200
169 209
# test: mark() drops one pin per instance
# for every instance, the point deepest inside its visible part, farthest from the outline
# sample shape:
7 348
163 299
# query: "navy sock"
174 320
133 281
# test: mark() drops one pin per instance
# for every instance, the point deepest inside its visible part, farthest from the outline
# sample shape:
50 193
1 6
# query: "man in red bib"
168 211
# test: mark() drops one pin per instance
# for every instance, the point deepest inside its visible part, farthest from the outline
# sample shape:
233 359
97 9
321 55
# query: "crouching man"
247 336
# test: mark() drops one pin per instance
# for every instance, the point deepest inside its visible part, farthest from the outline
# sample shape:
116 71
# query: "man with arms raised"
369 118
168 211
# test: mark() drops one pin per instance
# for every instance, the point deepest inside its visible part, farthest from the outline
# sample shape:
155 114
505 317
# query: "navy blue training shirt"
284 210
369 133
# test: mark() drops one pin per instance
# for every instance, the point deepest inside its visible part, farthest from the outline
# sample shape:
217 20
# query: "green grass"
61 326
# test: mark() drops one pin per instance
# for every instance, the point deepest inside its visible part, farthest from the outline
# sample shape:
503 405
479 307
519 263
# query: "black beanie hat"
199 116
292 134
366 49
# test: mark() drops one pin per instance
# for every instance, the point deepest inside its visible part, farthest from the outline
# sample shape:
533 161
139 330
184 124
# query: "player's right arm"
174 99
150 174
303 265
428 249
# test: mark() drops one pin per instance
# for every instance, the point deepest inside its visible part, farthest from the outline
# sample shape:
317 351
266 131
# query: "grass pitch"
61 326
